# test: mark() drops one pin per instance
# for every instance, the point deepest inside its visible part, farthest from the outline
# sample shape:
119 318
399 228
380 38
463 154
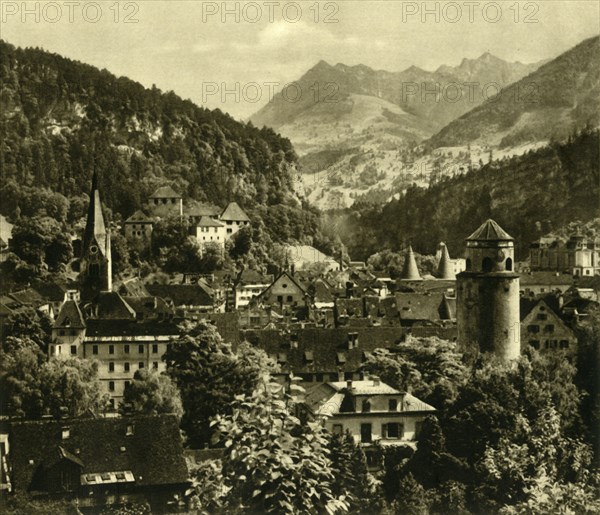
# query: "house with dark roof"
99 461
164 202
537 282
370 410
210 231
544 330
124 334
284 291
138 228
188 299
425 308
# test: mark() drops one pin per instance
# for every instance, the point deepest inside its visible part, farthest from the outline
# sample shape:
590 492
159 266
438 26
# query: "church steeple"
96 262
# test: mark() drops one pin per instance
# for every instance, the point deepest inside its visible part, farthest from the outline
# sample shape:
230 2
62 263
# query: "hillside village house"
370 410
543 329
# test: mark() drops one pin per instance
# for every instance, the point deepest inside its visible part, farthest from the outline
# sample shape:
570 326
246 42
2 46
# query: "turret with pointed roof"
410 271
445 270
488 317
95 229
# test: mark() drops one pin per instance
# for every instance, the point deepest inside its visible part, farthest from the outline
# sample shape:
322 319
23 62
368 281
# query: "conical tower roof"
445 270
410 271
94 226
490 231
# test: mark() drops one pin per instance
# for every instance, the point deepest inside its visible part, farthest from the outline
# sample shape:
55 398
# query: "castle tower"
96 264
410 271
487 304
445 270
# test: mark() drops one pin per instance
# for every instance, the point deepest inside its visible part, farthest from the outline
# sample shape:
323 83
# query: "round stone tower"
487 303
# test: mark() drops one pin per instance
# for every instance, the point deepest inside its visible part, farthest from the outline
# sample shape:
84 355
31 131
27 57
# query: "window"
61 332
127 383
509 264
155 365
141 365
73 349
549 328
280 298
111 366
564 344
392 430
126 367
366 406
393 405
94 349
365 433
51 349
487 265
290 298
337 429
154 348
533 328
140 349
542 316
111 349
126 349
65 433
111 386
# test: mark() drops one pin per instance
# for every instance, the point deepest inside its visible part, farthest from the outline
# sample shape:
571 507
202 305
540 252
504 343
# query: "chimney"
376 380
349 384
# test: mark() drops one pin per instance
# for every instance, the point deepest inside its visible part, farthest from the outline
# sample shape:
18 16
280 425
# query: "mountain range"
365 134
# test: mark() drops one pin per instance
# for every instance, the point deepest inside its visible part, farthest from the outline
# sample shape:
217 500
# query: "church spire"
410 271
95 229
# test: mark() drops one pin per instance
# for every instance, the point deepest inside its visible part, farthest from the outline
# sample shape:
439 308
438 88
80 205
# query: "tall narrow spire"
445 269
410 271
95 228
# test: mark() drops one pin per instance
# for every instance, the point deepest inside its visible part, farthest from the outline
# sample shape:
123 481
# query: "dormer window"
65 433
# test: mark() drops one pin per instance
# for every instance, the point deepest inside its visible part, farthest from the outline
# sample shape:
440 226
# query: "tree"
411 498
209 375
273 463
242 243
119 249
71 386
152 393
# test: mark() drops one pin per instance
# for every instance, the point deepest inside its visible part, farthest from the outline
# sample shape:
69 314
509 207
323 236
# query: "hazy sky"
188 47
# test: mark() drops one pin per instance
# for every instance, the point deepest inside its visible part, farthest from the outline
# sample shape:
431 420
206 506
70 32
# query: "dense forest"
528 195
60 119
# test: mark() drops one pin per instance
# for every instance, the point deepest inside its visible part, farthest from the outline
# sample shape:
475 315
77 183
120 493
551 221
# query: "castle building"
165 202
579 256
487 307
138 228
96 261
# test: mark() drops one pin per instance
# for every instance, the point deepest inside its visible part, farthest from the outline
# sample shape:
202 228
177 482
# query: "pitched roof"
138 217
196 209
182 294
490 231
133 328
28 297
133 287
51 291
110 305
207 221
410 271
233 212
421 306
165 192
546 278
149 447
70 316
444 270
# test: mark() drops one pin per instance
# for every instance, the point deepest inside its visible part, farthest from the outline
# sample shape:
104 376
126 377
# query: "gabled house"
138 228
286 291
234 218
370 410
544 330
165 202
99 460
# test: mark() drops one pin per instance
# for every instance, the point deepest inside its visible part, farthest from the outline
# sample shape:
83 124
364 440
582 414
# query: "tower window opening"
468 264
509 264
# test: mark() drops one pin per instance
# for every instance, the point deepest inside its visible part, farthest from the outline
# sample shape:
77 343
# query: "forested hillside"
59 119
527 195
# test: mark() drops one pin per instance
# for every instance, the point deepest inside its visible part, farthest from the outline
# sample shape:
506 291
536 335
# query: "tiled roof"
51 291
420 306
490 231
110 305
207 221
233 212
199 209
181 294
138 217
28 297
130 328
149 307
165 192
366 387
546 278
133 288
70 316
153 453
